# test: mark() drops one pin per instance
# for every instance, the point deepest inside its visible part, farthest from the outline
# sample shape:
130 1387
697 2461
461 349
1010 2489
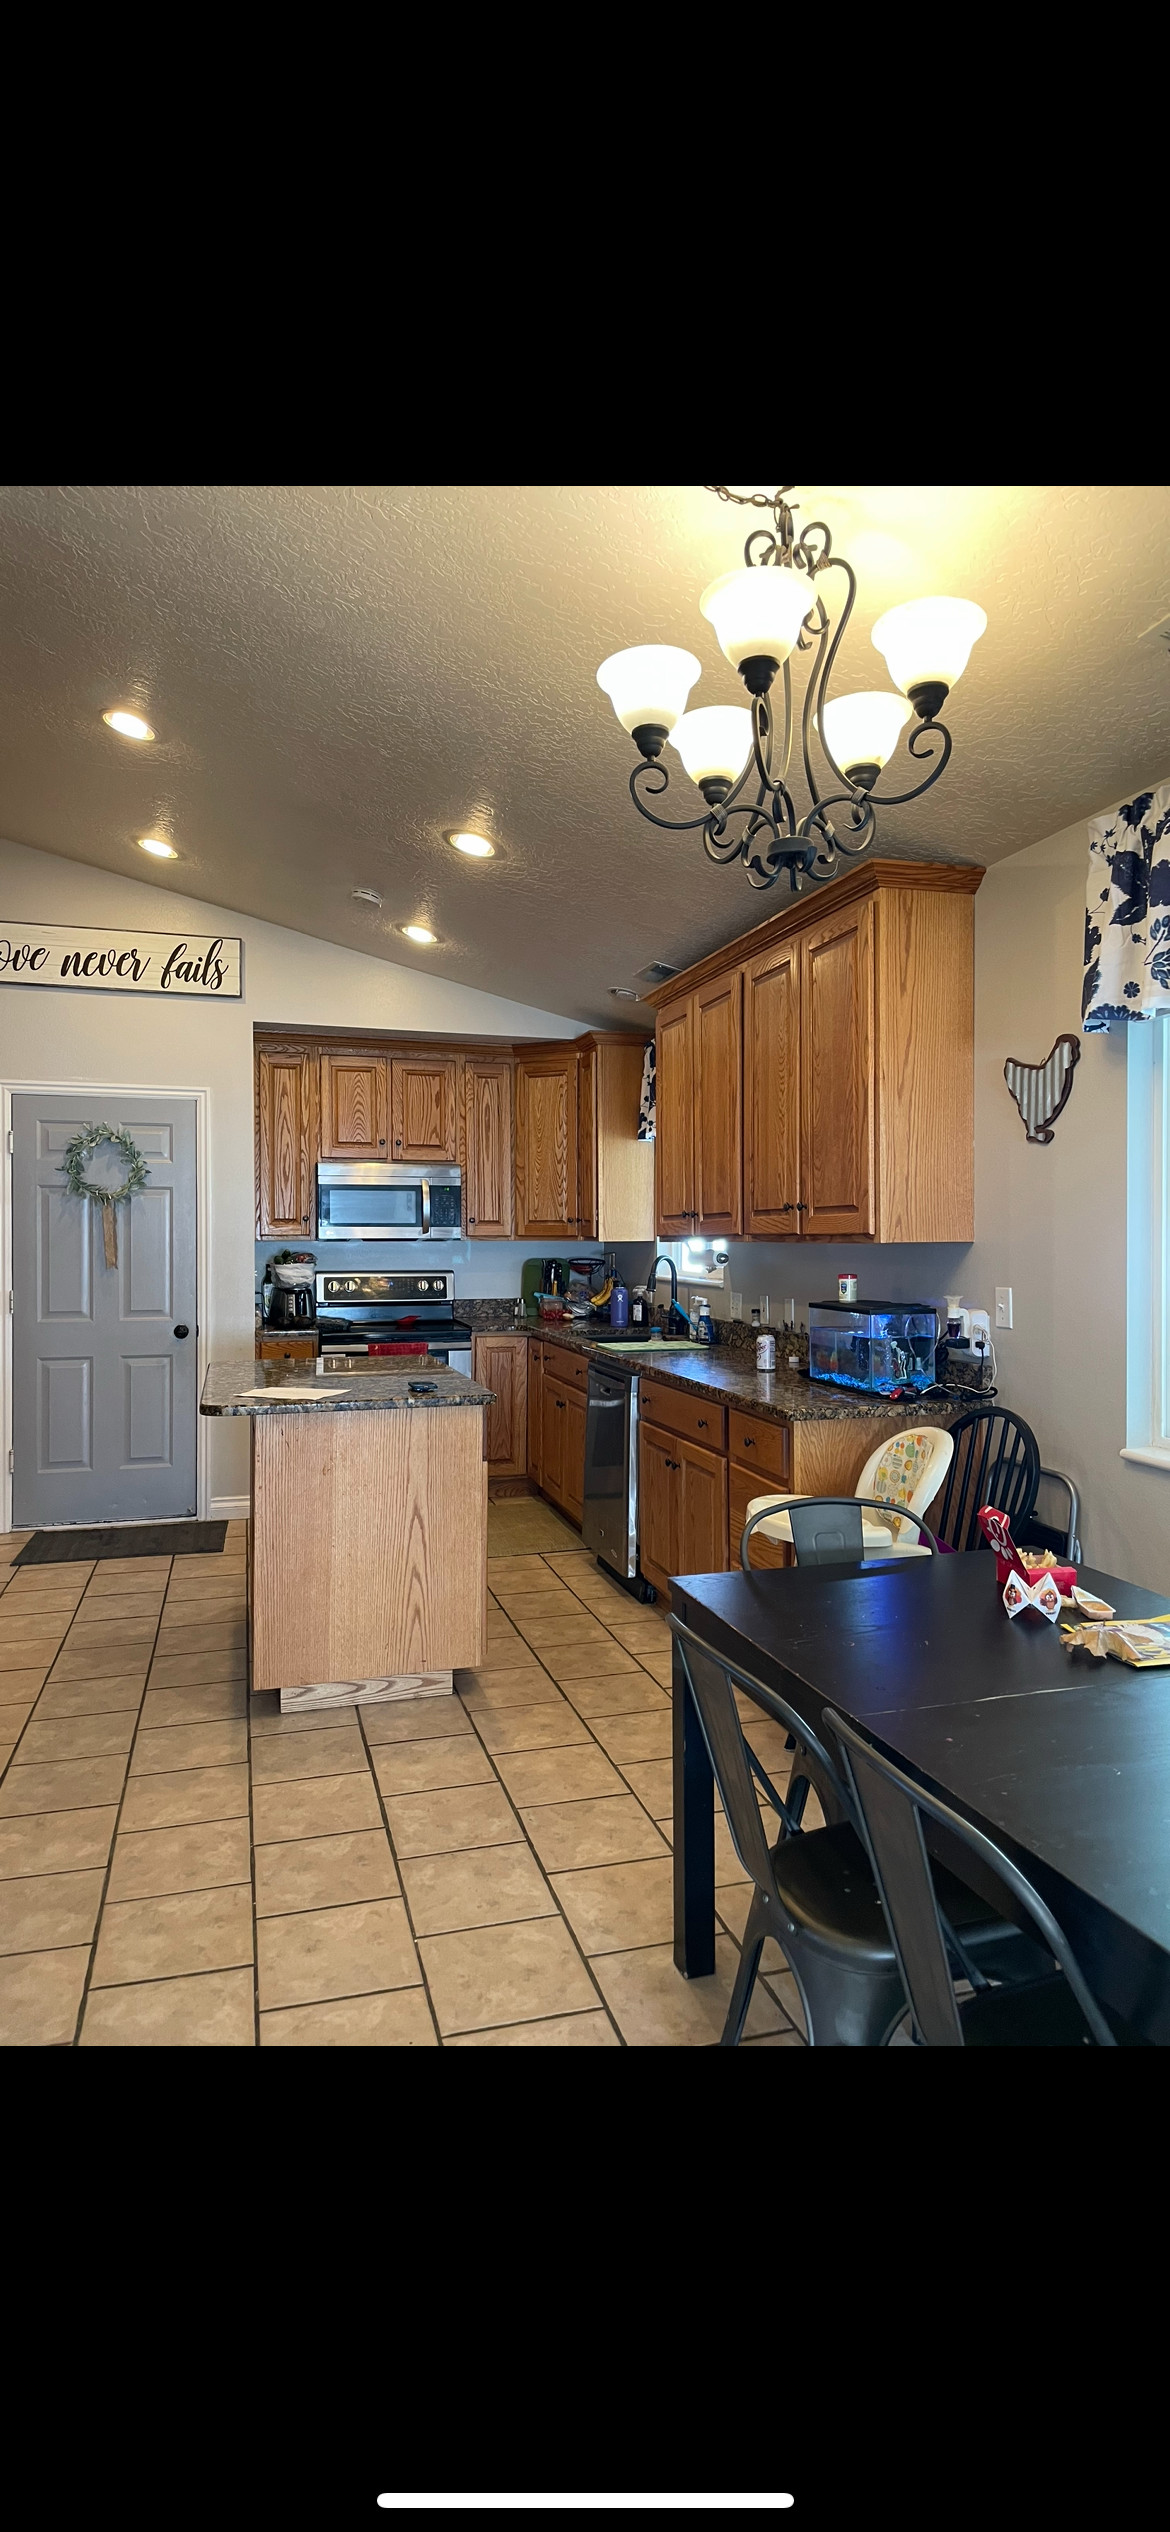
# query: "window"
1148 1242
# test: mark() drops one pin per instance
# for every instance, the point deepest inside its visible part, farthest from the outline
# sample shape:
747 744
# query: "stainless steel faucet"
676 1322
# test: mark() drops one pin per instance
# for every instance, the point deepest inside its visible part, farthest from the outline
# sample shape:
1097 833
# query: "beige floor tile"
22 1686
21 1623
439 1823
162 1708
642 1629
605 1660
63 1698
635 1736
94 1661
495 1885
571 1774
44 1912
654 2006
109 1570
618 1906
400 2019
562 1561
6 1750
556 1602
190 1794
531 1687
279 1759
211 1636
175 1936
39 1997
527 1570
576 1627
90 1736
498 1975
56 1842
268 1723
111 1610
153 1863
414 1719
104 1634
64 1784
194 1670
652 1780
784 1988
727 1864
324 1952
615 1830
320 1806
403 1767
59 1584
529 1727
563 2030
204 1608
14 1714
775 2039
189 1745
630 1693
324 1872
216 2010
29 1652
658 1667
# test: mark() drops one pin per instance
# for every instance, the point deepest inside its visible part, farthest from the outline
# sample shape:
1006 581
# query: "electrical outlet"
980 1330
1003 1305
765 1309
737 1305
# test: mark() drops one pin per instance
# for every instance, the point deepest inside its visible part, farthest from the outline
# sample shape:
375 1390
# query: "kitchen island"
368 1533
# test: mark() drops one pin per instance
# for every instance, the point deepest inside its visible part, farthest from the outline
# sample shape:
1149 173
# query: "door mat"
150 1538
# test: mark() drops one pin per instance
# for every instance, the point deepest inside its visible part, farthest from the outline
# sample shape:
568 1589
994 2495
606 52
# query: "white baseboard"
230 1508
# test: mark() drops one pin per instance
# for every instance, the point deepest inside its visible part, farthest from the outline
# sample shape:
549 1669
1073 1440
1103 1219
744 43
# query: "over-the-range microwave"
388 1200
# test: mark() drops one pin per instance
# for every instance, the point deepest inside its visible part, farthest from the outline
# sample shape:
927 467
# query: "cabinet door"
535 1411
659 1502
422 1108
286 1142
488 1146
547 1203
573 1470
586 1222
353 1107
675 1120
554 1421
771 1069
836 1030
702 1543
718 1104
501 1363
744 1486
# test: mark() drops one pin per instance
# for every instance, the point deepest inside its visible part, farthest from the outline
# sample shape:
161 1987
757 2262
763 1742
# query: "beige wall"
137 1040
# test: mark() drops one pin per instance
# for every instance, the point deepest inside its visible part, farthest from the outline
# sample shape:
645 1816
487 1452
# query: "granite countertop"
358 1392
789 1396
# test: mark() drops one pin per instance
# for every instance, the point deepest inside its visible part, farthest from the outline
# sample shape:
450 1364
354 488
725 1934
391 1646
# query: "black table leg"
694 1836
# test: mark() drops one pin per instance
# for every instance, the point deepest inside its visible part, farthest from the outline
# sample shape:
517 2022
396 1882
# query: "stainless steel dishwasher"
610 1522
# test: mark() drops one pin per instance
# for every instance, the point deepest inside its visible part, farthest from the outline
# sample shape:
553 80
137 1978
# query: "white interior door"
104 1359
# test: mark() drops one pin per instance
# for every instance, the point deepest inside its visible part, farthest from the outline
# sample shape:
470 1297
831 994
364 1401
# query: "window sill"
1148 1458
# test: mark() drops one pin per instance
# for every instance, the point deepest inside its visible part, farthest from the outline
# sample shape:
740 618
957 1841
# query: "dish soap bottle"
705 1332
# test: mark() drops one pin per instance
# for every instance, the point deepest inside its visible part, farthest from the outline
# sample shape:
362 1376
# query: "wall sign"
175 963
1040 1091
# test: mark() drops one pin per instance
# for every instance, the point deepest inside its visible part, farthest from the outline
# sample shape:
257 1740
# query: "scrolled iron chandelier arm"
915 746
674 826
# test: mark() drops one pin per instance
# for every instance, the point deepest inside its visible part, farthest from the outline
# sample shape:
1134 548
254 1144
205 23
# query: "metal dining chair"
813 1889
996 1461
1053 2010
829 1530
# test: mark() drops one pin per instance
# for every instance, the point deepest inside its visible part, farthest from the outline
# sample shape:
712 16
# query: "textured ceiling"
338 673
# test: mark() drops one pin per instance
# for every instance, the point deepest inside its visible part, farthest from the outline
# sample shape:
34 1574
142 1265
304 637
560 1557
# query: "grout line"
88 1979
381 1802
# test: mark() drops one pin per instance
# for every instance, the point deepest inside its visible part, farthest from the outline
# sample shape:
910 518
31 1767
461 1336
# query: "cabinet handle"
471 1221
381 1142
802 1208
702 1424
748 1443
786 1208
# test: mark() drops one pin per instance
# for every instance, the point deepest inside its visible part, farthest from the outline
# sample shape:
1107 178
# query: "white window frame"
1148 1242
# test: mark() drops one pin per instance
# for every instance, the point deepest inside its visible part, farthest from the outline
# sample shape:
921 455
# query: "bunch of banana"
597 1300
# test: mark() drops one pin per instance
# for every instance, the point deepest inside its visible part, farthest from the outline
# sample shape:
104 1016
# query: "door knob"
181 1330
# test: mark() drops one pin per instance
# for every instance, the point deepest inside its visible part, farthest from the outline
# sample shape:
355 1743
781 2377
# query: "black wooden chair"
828 1529
1052 2010
1060 1535
814 1892
996 1461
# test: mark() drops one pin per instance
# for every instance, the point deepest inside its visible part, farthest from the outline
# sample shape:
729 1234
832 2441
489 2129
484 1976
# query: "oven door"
371 1200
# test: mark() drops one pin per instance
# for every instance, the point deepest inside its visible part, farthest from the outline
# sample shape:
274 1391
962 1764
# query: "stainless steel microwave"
388 1200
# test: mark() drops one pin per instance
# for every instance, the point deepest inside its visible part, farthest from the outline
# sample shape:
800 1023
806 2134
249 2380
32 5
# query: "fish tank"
874 1345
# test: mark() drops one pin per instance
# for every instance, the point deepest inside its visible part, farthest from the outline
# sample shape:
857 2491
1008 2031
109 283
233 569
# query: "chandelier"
737 756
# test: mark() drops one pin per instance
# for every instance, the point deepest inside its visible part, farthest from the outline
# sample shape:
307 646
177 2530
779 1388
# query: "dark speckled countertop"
227 1384
790 1396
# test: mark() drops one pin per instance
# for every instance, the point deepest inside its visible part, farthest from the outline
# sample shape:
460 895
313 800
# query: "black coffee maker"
288 1306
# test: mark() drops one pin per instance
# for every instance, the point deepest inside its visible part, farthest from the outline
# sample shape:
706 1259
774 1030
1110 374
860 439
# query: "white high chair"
907 1469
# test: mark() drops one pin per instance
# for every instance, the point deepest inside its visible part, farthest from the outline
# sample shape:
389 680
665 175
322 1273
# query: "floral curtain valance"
1127 913
646 1111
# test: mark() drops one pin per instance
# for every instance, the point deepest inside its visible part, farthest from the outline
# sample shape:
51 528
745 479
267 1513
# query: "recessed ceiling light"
476 846
163 852
418 932
624 993
128 724
366 896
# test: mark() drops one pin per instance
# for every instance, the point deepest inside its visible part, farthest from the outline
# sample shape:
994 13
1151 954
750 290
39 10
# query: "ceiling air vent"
657 973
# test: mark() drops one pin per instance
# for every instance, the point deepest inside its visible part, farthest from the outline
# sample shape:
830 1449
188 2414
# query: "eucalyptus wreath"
82 1149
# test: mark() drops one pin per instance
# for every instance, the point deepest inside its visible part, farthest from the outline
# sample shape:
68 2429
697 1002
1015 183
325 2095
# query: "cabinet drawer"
761 1444
286 1349
572 1370
701 1419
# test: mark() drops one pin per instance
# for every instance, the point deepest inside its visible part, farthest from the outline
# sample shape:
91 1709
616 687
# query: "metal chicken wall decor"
1040 1091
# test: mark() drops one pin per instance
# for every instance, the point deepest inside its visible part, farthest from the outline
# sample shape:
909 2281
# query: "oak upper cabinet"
675 1119
353 1106
286 1140
771 1087
837 1108
501 1363
546 1145
423 1108
718 1139
488 1153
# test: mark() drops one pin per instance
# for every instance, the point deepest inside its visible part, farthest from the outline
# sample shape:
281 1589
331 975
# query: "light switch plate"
1003 1305
737 1305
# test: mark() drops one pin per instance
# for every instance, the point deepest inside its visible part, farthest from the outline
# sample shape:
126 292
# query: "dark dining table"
1065 1763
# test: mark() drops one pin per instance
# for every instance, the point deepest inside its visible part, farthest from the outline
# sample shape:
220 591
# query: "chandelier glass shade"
739 757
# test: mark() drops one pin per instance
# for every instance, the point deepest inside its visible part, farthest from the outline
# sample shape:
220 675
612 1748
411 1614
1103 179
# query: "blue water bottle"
619 1307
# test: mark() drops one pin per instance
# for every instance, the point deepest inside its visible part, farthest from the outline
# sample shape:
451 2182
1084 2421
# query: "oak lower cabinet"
682 1499
286 1140
562 1438
535 1384
573 1468
354 1109
501 1363
487 1150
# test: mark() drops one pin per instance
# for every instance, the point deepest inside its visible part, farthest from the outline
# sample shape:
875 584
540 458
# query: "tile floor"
179 1864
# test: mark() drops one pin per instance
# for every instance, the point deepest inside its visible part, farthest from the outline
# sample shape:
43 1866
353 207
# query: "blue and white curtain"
1127 913
646 1132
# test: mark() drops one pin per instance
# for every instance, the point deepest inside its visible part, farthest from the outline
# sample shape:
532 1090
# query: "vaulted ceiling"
336 674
